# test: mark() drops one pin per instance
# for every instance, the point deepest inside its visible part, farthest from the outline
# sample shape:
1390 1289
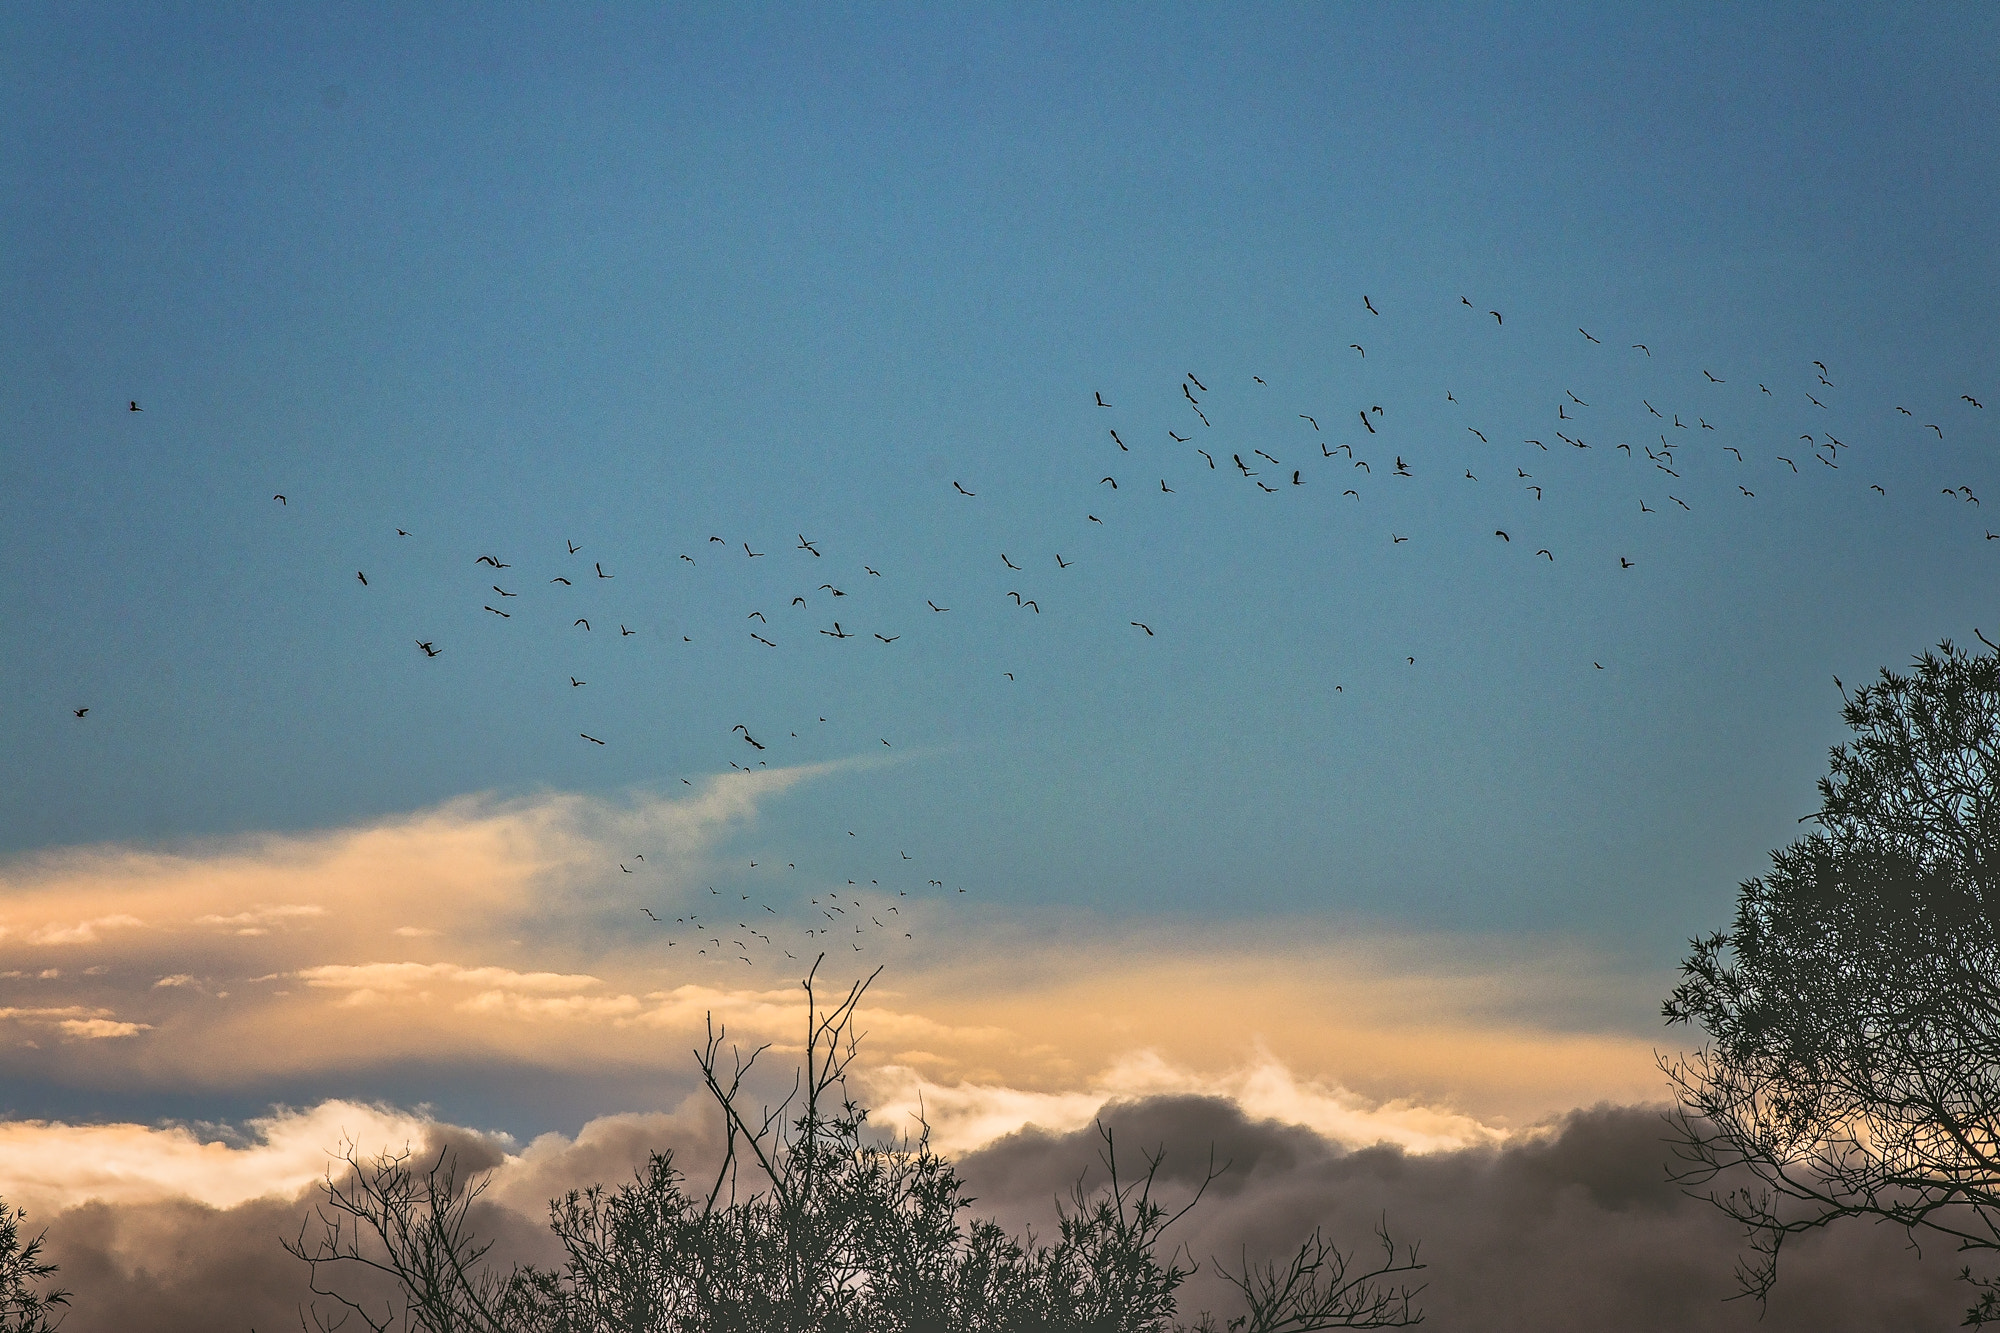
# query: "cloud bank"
1572 1228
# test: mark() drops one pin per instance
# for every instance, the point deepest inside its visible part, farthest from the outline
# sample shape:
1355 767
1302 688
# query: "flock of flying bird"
1662 447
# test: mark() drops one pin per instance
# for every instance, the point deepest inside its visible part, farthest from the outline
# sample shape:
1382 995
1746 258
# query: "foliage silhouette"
23 1308
1852 1012
808 1226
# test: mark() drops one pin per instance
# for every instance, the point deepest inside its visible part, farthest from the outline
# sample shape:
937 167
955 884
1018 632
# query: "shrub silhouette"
24 1309
809 1226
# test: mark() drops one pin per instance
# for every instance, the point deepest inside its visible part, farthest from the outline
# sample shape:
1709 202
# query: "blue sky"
628 279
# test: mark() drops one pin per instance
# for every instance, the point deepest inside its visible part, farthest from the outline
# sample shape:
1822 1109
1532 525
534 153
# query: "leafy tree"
1852 1012
24 1308
808 1226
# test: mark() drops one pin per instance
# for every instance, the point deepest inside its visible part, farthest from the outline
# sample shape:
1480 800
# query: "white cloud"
83 932
406 976
97 1029
47 1165
964 1116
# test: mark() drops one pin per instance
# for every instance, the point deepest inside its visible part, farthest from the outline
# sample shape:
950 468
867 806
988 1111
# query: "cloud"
498 942
82 932
96 1029
49 1166
1569 1229
965 1116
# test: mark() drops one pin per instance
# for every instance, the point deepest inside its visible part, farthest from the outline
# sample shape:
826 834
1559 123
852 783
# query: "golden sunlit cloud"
483 933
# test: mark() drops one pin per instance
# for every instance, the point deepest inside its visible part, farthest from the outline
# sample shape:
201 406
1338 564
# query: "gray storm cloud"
1574 1229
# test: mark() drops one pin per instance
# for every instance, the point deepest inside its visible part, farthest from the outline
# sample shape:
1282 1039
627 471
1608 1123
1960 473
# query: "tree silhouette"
23 1308
1852 1012
809 1225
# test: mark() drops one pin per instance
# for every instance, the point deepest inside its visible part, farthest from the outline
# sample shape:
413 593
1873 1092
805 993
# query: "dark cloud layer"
1579 1231
1576 1231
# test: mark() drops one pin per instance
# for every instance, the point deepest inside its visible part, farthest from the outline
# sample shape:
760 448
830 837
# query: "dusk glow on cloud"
1253 578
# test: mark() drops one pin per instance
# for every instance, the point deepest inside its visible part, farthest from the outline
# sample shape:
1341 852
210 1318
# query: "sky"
781 361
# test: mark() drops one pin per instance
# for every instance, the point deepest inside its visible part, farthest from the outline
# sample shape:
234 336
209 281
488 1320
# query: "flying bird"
1623 563
1164 487
1178 439
1482 438
1641 347
573 547
1970 399
601 574
363 577
504 615
1713 380
489 560
1496 317
890 639
805 545
1210 457
281 500
1588 336
960 489
503 592
747 736
1009 563
133 405
430 649
1357 347
1552 558
581 621
592 739
574 683
1314 424
1501 535
1120 443
1371 309
1147 628
565 582
1365 422
747 551
1101 402
1197 383
79 711
1108 481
